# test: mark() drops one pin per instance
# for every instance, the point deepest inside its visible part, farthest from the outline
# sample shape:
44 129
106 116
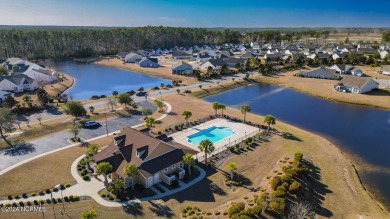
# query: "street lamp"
59 187
52 204
160 96
105 116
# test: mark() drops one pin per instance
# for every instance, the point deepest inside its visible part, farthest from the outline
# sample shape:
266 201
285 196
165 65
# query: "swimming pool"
214 134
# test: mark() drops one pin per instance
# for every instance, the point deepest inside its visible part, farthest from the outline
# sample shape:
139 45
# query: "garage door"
156 178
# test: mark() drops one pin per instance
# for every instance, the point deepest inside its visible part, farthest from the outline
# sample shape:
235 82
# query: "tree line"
80 43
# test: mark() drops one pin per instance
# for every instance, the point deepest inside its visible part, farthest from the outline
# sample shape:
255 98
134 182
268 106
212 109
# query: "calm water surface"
94 79
358 130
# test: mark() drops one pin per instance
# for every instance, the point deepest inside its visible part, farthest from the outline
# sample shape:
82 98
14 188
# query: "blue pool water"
214 134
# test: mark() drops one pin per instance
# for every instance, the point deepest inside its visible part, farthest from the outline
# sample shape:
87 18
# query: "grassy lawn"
344 197
45 172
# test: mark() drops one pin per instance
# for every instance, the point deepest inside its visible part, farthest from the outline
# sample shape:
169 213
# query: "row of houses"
23 76
348 81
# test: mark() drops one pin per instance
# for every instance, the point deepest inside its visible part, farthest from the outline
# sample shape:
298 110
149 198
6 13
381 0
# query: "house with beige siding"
155 159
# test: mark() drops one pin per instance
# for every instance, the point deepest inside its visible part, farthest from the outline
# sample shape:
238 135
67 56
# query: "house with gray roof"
133 58
156 160
215 64
356 84
232 62
148 62
182 68
342 69
321 73
17 83
177 54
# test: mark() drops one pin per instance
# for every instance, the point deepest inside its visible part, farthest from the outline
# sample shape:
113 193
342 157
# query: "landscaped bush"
55 190
261 198
278 206
236 208
298 157
36 202
278 194
66 198
254 211
95 97
86 178
28 203
24 195
21 204
175 183
7 205
286 168
40 201
67 185
10 197
294 187
281 188
48 191
33 194
287 177
14 204
48 201
231 148
54 201
275 182
59 200
217 212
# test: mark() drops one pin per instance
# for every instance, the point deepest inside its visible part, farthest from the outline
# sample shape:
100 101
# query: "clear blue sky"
197 13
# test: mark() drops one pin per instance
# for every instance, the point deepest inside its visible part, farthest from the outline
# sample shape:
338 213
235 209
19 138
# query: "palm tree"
149 121
245 109
116 186
131 171
215 107
222 107
89 214
187 114
207 147
104 168
232 166
270 120
189 161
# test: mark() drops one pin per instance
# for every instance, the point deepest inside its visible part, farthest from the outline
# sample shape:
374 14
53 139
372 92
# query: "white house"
385 70
355 84
41 75
342 69
17 83
216 64
383 53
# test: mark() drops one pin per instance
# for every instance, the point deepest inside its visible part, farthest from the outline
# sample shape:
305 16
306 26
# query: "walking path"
92 187
14 157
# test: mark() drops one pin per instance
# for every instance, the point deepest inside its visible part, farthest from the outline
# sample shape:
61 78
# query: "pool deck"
240 131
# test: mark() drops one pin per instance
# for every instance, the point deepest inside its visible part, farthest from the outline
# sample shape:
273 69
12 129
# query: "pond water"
358 130
99 80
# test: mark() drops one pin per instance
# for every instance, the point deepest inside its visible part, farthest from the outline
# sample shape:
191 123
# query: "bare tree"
40 82
301 210
112 102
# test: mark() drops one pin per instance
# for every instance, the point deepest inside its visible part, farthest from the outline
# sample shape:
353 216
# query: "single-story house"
367 51
342 69
324 73
216 64
357 72
40 74
181 55
272 57
356 84
122 55
339 55
155 159
182 68
133 58
232 62
384 53
17 83
148 62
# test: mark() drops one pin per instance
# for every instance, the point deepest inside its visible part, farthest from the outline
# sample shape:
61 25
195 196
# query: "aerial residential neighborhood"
194 109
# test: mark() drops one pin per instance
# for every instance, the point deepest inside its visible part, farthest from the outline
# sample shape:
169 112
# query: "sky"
197 13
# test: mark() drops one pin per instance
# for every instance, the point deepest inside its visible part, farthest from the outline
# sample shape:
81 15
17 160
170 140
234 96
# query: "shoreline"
347 156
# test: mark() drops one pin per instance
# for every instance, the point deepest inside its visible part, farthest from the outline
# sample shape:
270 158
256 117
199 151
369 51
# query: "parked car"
90 124
141 93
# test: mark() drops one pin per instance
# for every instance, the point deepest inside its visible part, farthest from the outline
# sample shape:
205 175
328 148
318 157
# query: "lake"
99 80
358 130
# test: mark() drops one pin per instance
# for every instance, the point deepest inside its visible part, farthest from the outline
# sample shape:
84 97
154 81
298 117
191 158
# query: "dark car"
90 124
141 93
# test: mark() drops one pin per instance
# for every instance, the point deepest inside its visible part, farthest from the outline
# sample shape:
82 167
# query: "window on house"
173 166
181 165
166 170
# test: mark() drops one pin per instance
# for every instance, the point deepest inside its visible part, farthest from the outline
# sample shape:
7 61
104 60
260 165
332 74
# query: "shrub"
261 198
67 185
59 200
102 194
86 178
231 148
28 203
175 183
14 204
66 198
76 198
40 201
275 182
33 194
294 187
217 212
71 198
298 157
21 204
54 201
25 195
36 202
278 194
236 208
10 197
278 206
55 190
48 191
7 205
285 168
287 177
48 201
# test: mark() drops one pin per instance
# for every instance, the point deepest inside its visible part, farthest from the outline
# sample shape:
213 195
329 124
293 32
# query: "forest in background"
56 42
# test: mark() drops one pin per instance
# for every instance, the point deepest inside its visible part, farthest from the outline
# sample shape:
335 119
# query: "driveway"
54 141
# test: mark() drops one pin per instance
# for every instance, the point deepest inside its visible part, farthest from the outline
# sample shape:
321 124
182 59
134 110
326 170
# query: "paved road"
54 141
